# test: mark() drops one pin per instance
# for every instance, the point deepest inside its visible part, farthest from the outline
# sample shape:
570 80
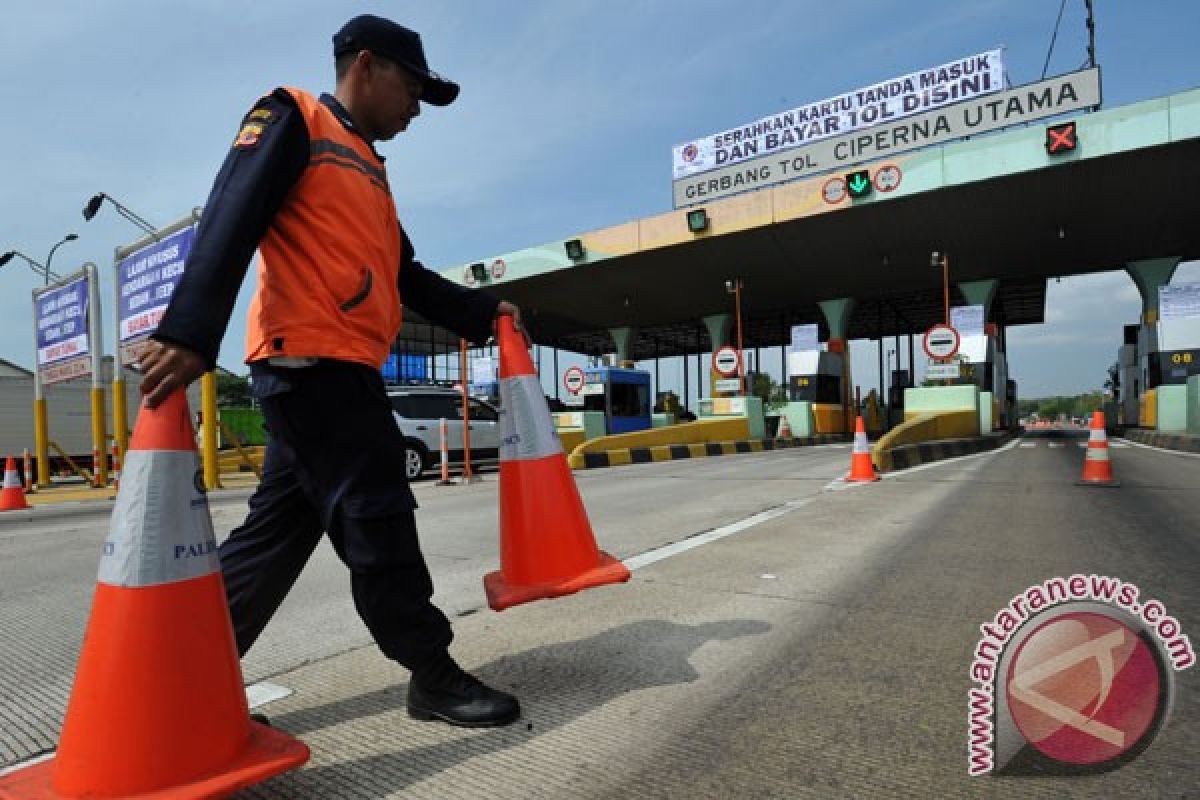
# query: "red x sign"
1061 138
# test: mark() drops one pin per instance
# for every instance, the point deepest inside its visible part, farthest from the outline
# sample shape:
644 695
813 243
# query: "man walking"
304 185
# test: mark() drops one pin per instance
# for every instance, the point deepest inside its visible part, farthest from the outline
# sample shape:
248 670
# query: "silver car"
418 411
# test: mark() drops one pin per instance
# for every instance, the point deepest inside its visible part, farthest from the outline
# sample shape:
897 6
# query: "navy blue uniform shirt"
250 188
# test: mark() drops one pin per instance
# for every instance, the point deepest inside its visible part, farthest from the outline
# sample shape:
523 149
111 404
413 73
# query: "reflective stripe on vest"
161 531
526 431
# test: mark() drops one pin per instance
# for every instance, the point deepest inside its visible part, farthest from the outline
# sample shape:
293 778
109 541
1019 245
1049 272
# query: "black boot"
444 691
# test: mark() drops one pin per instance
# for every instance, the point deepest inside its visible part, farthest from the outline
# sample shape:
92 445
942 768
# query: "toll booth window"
593 402
630 400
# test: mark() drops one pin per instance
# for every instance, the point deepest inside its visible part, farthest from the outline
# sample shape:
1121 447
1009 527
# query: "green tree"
233 391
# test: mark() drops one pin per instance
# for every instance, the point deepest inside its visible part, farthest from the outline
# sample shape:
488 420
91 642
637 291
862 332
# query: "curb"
1185 442
673 452
913 455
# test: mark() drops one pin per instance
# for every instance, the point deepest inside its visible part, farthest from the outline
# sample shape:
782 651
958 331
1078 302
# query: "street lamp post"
70 237
33 265
942 260
93 205
735 286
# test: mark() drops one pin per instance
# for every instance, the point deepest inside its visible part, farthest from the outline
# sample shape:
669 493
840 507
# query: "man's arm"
466 312
267 158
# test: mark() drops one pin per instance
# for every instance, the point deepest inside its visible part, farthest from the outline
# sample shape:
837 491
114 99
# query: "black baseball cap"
399 44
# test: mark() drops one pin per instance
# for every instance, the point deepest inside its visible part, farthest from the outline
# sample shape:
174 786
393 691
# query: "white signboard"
1179 301
805 338
942 372
900 97
967 320
728 385
1061 95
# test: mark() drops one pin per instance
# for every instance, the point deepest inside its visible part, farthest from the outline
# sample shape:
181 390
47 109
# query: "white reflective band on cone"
526 431
1097 435
11 481
161 531
860 443
1098 454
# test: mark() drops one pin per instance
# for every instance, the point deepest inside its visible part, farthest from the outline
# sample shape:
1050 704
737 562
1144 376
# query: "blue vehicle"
622 394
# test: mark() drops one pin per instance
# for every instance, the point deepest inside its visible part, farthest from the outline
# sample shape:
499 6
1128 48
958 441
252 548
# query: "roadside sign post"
941 343
573 380
727 362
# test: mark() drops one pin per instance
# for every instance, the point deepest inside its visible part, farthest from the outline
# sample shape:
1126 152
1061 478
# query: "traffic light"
1061 138
858 184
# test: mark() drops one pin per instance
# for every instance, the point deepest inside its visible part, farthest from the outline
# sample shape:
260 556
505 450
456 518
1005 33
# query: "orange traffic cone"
116 465
785 430
547 548
12 496
158 709
861 468
1097 466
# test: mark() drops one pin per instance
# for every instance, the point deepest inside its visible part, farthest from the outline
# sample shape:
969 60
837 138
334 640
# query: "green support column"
980 293
719 326
837 316
1151 274
623 339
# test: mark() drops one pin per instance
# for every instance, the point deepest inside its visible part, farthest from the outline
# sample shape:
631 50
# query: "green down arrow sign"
859 183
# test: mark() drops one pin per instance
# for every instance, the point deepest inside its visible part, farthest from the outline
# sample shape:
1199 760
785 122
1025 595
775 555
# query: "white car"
418 411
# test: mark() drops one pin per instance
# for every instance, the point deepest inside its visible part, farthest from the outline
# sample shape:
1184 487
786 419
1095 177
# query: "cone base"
13 500
501 594
1104 483
267 753
851 478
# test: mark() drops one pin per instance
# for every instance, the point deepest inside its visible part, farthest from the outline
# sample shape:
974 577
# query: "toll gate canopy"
1001 205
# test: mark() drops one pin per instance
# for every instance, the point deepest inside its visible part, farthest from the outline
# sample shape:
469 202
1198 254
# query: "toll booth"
621 395
814 393
987 368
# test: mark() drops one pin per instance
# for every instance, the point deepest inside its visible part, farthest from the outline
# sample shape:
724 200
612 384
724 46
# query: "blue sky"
567 117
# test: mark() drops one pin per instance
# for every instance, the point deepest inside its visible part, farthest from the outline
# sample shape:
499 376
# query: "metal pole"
946 284
557 378
467 476
96 343
41 427
737 301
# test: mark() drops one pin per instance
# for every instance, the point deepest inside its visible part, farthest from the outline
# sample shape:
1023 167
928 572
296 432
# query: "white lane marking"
1028 444
261 693
29 762
1055 444
692 542
841 484
1117 444
1132 443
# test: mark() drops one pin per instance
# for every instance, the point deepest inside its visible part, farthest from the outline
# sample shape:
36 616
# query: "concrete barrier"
1187 443
594 459
912 455
922 428
698 432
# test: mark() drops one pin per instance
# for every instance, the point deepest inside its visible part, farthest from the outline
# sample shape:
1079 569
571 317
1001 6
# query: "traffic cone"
12 496
158 709
547 548
1097 466
96 469
785 430
861 468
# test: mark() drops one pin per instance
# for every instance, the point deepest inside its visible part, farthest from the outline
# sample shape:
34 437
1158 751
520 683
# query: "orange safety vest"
331 256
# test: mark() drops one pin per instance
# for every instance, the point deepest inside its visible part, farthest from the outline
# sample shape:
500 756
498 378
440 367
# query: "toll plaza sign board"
910 94
61 317
1061 95
146 279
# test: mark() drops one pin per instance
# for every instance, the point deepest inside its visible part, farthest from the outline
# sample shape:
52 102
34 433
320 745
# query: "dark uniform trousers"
334 463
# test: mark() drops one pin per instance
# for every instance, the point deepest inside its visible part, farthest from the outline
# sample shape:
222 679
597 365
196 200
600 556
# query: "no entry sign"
573 380
725 361
941 341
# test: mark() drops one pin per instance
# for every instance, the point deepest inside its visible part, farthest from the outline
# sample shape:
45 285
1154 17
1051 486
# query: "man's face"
394 97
